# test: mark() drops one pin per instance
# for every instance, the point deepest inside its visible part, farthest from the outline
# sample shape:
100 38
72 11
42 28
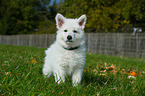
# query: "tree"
133 10
106 15
19 16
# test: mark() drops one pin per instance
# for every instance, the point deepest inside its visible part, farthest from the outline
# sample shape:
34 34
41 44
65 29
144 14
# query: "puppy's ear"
82 21
59 20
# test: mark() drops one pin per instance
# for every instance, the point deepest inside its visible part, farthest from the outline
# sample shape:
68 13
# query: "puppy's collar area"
71 48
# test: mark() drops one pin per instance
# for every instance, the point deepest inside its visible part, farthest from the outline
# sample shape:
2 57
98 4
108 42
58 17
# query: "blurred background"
38 16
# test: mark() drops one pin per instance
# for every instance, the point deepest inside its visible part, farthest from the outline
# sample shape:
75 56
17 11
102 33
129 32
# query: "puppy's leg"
46 70
77 76
59 76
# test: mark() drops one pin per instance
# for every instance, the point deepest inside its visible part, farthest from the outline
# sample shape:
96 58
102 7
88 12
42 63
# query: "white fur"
60 61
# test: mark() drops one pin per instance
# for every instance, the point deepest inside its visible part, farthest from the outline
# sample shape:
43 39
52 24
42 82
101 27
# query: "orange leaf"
133 74
33 61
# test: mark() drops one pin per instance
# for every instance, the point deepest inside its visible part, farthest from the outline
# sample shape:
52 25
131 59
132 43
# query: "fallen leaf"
7 73
20 57
33 61
133 74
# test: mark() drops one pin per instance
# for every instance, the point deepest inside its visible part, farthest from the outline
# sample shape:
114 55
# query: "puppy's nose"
69 37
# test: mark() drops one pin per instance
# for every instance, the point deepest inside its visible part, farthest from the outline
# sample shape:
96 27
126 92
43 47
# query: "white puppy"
66 56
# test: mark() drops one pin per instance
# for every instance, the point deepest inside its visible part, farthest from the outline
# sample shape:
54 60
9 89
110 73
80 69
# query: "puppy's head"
70 31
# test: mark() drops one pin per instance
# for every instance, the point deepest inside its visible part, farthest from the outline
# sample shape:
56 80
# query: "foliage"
27 16
19 16
106 15
47 25
21 74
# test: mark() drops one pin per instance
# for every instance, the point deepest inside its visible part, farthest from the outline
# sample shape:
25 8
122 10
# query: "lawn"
21 74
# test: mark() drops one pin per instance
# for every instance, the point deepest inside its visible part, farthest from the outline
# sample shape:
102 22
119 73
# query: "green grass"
21 74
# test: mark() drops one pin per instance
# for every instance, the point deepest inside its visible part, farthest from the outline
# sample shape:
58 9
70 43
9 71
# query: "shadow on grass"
102 80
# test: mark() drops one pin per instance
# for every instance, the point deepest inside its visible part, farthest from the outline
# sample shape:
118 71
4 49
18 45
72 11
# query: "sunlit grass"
21 74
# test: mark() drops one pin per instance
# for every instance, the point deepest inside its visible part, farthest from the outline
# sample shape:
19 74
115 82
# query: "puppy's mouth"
68 41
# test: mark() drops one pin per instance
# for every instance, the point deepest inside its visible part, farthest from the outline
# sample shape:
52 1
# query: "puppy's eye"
75 31
65 30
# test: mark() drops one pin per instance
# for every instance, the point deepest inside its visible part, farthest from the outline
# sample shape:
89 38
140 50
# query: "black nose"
69 37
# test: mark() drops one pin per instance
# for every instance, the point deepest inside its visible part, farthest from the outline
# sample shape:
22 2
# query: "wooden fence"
118 44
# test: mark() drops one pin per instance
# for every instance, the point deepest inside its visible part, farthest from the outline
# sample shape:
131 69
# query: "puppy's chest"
72 59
